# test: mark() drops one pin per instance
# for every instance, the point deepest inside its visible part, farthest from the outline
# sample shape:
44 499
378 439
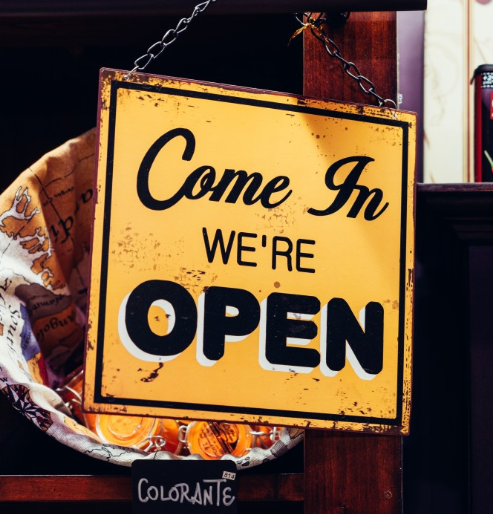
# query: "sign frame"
113 82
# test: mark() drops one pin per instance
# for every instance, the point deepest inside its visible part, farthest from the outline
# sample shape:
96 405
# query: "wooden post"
368 40
348 473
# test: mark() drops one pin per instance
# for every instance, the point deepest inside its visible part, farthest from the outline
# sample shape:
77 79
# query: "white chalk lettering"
197 497
208 499
206 492
227 498
139 488
152 493
218 483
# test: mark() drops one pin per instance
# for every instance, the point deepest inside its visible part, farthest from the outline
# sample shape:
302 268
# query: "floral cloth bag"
45 236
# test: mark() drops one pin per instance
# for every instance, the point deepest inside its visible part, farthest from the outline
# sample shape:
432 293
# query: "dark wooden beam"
351 472
73 488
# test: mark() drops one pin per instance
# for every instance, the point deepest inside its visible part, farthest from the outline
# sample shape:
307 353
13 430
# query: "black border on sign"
99 398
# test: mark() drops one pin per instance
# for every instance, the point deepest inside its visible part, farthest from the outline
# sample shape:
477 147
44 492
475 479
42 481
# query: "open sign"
252 257
230 315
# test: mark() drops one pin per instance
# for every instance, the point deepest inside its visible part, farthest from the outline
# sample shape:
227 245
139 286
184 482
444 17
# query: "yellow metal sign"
252 257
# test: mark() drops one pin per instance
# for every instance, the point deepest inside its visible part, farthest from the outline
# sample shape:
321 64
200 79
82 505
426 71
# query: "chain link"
316 26
156 49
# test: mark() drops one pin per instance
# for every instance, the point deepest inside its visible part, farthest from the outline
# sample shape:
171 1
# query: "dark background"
50 66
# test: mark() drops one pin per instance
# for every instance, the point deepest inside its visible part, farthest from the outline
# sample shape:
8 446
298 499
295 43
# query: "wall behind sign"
458 38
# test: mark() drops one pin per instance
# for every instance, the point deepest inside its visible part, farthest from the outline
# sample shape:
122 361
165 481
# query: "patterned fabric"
45 232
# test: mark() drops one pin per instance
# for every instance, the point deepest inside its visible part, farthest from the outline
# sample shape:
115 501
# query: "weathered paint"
344 257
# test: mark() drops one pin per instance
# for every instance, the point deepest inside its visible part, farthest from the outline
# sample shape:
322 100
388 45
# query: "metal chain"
316 28
169 38
314 24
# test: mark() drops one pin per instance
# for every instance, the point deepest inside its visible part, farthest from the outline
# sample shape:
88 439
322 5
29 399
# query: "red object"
483 123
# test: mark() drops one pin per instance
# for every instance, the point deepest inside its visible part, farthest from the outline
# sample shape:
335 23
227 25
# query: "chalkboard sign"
182 487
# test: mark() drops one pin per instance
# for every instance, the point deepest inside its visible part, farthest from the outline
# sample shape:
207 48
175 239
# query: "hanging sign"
252 257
